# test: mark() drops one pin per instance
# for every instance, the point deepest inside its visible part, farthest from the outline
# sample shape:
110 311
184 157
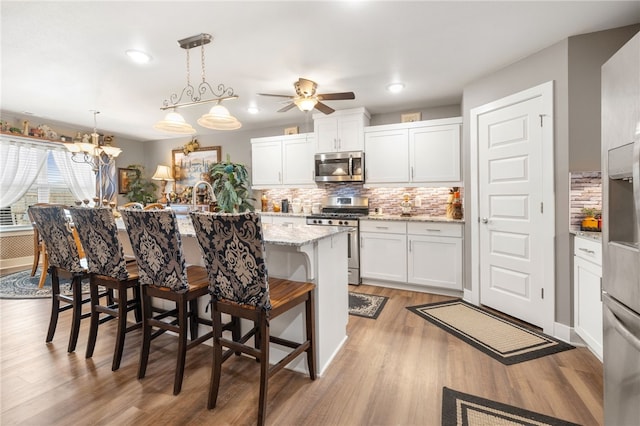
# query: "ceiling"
61 59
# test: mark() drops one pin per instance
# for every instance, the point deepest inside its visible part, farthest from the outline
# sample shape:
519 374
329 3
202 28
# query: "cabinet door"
383 256
350 133
326 130
297 160
387 156
266 163
435 262
435 154
588 303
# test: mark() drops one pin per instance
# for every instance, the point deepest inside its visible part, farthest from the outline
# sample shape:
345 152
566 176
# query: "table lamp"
163 174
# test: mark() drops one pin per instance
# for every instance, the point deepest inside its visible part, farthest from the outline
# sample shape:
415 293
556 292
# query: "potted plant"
141 190
230 183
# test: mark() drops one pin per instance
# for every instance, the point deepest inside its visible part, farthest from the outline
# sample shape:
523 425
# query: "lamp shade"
111 151
162 173
174 123
219 118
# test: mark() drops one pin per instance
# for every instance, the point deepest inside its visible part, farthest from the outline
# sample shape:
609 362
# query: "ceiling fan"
306 98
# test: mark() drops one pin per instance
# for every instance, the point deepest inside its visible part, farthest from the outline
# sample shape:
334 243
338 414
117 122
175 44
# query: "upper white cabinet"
414 153
341 131
282 160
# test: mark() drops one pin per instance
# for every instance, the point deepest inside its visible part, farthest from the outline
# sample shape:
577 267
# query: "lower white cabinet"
383 256
418 253
587 287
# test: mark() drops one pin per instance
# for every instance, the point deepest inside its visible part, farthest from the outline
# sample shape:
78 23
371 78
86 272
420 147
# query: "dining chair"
63 255
109 269
234 254
163 274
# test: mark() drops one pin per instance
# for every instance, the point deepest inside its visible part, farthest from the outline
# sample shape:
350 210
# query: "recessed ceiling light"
395 87
138 56
253 110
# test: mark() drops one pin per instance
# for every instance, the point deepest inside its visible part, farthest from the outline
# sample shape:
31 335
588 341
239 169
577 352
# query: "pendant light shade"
219 118
174 123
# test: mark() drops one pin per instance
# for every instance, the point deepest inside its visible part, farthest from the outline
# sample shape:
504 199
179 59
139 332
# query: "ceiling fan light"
174 123
305 104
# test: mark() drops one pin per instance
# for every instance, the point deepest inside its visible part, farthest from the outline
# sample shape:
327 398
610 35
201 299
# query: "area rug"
461 409
21 285
497 337
366 305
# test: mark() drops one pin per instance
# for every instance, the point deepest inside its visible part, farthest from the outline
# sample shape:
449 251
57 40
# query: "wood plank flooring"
390 372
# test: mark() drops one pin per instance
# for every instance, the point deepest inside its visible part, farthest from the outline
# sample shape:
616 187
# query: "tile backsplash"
586 191
433 200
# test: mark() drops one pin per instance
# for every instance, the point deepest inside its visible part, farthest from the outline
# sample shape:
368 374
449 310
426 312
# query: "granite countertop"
416 218
283 235
586 234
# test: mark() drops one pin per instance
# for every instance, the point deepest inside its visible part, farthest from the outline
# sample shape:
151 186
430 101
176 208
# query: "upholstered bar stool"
63 257
109 269
163 274
233 250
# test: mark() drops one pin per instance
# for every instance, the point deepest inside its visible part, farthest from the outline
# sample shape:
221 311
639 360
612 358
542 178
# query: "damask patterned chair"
109 269
163 274
63 257
234 253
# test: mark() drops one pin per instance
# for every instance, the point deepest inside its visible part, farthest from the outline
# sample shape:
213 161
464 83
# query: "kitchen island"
303 253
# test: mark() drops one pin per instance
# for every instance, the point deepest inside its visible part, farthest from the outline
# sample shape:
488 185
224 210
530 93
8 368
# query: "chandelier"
218 117
93 153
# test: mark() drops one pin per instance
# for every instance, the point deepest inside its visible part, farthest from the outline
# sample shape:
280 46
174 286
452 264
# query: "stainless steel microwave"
340 167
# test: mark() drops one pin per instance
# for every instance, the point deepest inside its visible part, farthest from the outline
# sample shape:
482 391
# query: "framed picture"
413 116
291 130
188 169
124 177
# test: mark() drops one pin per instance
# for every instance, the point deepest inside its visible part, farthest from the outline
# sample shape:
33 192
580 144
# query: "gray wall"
572 108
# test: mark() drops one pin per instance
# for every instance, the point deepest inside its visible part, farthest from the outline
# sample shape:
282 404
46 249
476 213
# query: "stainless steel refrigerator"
621 230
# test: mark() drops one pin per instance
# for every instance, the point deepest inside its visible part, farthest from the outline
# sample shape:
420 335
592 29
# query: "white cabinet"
341 131
435 255
587 287
383 250
416 253
414 154
282 161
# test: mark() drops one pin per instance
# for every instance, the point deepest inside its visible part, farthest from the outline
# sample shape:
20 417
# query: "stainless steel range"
345 211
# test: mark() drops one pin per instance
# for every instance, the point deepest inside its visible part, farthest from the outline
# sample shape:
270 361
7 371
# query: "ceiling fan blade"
278 96
336 96
324 108
287 107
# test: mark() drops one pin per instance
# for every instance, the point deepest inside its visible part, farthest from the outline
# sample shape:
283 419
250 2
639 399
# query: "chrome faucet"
195 189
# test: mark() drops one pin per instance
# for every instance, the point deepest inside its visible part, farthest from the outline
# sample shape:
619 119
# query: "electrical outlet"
418 202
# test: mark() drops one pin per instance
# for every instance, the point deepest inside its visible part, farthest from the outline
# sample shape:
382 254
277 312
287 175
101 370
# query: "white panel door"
387 156
266 163
297 160
383 256
435 154
510 205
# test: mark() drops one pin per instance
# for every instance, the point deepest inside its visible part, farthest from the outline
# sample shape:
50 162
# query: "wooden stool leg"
95 319
36 252
55 302
183 316
264 369
311 335
216 370
193 318
122 326
45 267
146 333
76 288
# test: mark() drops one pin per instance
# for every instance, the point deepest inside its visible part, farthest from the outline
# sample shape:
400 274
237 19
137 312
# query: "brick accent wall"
586 191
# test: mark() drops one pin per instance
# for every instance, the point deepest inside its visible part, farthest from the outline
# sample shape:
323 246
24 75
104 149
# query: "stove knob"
330 222
340 223
316 221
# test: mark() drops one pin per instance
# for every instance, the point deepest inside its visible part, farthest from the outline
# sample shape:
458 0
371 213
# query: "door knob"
485 220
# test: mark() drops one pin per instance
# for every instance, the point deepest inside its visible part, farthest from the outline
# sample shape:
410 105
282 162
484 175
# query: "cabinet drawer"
435 229
588 249
384 226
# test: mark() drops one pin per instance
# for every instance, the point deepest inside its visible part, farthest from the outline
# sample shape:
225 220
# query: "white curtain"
19 167
79 177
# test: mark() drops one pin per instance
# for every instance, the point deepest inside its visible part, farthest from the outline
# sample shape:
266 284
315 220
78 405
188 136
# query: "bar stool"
163 274
109 269
233 250
63 256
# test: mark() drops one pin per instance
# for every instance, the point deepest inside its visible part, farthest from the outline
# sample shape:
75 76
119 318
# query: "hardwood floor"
391 371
